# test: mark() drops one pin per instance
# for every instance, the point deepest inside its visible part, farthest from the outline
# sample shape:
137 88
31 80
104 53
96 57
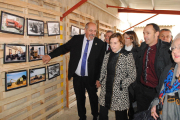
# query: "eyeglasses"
126 37
173 48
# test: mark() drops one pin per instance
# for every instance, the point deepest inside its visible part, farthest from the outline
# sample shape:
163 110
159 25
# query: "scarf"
167 85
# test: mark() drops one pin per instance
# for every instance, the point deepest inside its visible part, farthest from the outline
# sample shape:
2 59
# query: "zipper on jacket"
114 79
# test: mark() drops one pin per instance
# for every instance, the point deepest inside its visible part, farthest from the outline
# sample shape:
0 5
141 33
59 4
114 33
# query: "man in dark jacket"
86 56
152 57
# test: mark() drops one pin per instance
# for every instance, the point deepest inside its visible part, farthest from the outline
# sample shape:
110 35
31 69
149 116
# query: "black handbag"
146 115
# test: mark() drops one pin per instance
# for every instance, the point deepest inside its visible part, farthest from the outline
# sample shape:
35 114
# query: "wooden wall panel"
42 100
102 28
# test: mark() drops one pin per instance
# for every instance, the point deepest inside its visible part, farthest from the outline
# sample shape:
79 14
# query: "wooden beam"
73 8
172 12
131 10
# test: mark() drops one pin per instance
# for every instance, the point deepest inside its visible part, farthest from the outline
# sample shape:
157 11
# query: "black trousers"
144 97
131 109
120 115
81 84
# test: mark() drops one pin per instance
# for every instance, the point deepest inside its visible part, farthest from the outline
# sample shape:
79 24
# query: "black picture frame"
53 28
15 80
82 31
34 52
53 71
37 75
74 30
51 47
11 23
14 53
35 27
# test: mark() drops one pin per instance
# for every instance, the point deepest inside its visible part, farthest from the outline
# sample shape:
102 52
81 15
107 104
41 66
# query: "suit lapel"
105 46
79 47
93 49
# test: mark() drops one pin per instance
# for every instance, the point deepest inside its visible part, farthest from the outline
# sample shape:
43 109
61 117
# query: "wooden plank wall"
42 100
78 19
102 28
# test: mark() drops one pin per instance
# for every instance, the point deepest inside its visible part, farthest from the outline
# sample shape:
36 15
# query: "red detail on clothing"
161 95
108 47
152 79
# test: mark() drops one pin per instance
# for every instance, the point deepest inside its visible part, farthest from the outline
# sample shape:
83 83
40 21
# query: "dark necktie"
108 47
83 64
146 62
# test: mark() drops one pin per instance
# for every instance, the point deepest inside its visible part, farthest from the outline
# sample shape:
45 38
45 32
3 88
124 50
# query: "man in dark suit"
107 36
86 56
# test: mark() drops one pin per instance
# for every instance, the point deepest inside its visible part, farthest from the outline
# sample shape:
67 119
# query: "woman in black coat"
131 44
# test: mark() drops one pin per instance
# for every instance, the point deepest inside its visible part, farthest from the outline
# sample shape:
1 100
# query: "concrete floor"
72 114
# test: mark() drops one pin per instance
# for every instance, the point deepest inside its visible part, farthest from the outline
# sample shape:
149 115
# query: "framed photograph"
35 27
52 47
53 28
15 80
11 23
74 30
82 31
53 71
37 75
35 52
14 53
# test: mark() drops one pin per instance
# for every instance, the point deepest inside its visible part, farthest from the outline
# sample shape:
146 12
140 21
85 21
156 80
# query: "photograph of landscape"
37 75
16 80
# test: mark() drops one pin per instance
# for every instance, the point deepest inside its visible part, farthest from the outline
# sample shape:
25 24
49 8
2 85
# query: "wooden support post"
97 23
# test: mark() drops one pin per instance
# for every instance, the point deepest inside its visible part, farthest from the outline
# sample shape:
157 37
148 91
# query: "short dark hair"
155 26
165 29
119 36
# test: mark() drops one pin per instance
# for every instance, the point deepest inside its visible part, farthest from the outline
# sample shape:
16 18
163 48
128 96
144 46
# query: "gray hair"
110 31
177 37
87 25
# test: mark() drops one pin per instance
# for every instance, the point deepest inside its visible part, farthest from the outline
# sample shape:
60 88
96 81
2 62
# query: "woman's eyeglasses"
173 48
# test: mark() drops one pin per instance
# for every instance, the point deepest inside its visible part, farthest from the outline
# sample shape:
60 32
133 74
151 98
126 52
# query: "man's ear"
85 30
157 34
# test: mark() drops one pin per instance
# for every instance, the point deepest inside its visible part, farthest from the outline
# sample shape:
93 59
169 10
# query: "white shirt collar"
129 48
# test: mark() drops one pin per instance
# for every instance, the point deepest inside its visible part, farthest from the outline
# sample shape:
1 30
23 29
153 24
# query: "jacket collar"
122 50
144 45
